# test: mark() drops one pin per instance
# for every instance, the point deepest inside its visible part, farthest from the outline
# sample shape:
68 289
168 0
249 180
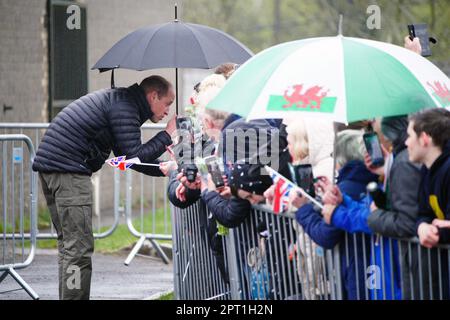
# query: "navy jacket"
191 195
82 135
434 193
352 180
228 212
434 203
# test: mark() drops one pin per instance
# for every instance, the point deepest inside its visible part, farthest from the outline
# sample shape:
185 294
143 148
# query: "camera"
190 171
185 127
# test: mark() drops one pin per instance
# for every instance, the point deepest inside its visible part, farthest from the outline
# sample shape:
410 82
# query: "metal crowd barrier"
123 204
270 257
18 224
196 275
152 236
276 260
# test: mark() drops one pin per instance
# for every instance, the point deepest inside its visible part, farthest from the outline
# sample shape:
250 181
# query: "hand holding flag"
283 188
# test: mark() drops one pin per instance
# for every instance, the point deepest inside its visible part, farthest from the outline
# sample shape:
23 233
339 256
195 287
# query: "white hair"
349 146
207 90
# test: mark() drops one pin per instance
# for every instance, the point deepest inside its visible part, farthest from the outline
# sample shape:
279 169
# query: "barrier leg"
138 246
135 250
160 251
3 276
22 283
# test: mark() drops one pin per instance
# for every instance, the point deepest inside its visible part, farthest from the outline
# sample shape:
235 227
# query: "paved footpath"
111 279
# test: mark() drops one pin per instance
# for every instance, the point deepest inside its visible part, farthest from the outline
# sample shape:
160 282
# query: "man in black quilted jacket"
76 144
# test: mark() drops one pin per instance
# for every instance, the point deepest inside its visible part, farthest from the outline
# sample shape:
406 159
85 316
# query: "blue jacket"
352 180
352 216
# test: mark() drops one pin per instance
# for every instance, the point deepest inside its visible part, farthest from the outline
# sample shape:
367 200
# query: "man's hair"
435 123
156 83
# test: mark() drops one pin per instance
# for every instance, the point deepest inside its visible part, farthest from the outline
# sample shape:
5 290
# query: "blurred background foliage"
262 23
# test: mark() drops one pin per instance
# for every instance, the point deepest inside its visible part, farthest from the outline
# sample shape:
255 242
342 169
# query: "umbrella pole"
112 79
176 69
176 90
335 126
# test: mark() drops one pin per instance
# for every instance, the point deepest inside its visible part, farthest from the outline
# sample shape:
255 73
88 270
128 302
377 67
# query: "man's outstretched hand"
171 125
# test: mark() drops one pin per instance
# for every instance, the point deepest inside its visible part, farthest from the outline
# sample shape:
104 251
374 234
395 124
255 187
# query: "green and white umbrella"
337 78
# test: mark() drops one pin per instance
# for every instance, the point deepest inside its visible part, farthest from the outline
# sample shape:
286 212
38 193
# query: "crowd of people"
414 180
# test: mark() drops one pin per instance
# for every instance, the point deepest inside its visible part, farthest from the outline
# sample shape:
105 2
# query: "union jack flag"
281 193
120 163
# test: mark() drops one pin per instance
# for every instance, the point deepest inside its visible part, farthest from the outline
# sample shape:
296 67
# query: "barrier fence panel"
104 221
275 259
270 256
197 274
424 272
18 219
154 221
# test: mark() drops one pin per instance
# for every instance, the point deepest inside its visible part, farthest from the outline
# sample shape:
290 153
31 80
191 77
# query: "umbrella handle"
112 79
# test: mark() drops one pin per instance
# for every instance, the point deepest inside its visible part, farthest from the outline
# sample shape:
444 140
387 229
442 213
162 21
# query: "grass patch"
44 222
46 244
167 296
122 237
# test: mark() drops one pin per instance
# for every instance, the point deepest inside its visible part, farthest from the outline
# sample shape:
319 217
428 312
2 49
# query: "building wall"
23 61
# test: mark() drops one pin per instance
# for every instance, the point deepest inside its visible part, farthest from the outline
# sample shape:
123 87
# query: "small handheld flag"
123 164
283 187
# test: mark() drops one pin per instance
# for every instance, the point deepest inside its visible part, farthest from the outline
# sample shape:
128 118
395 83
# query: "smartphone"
213 166
303 176
185 127
373 147
420 31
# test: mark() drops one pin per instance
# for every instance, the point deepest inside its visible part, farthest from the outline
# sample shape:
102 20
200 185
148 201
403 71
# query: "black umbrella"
173 45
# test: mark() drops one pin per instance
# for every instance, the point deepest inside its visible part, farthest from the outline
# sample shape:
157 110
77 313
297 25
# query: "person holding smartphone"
401 180
352 180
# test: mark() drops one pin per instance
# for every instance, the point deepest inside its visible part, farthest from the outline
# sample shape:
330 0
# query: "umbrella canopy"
337 78
174 45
